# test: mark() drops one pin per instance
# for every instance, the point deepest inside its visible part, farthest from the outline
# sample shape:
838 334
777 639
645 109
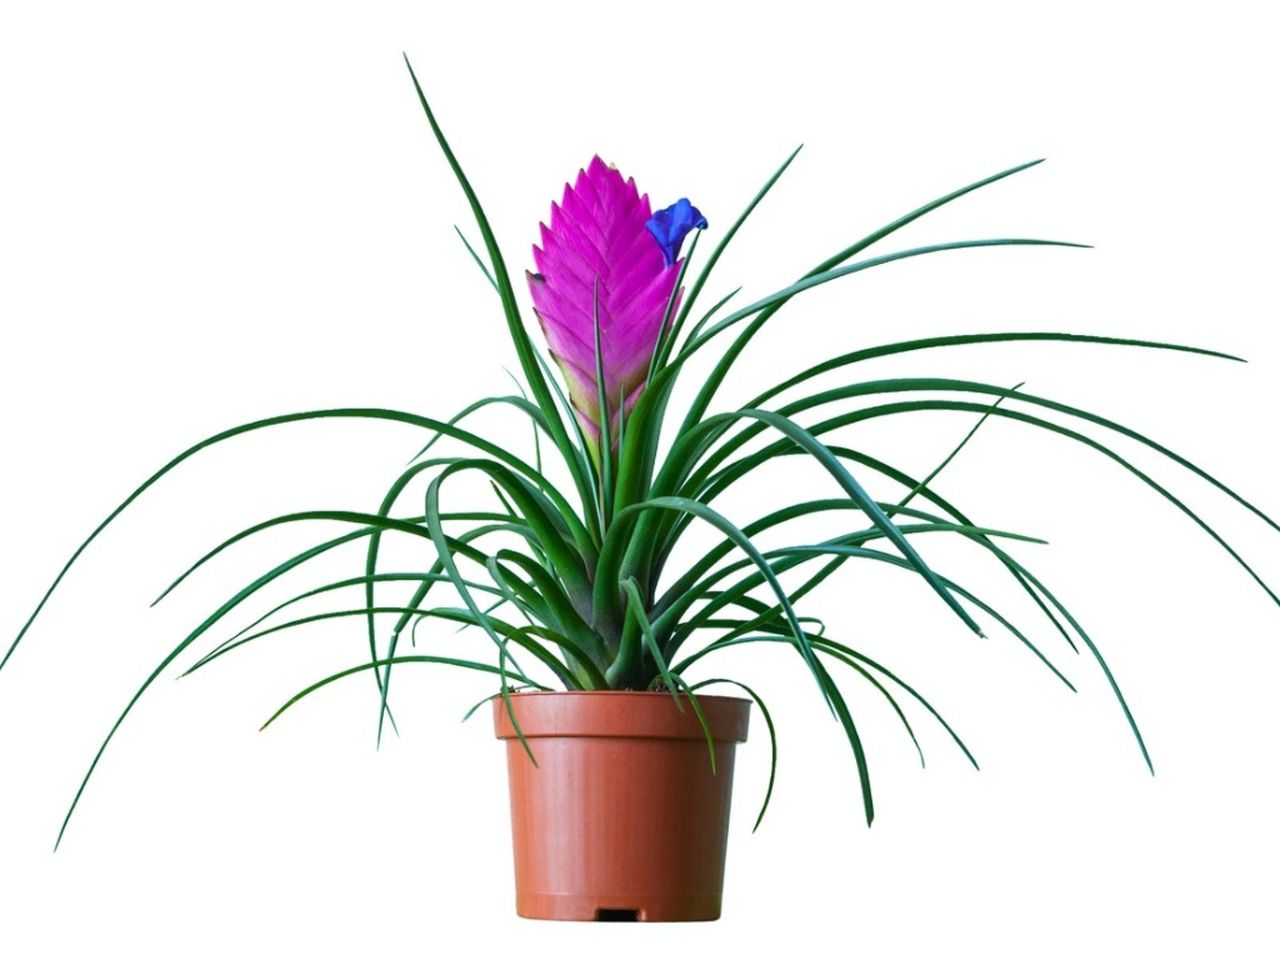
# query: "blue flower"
670 226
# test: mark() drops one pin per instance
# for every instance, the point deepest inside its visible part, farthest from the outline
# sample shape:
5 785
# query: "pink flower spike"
599 244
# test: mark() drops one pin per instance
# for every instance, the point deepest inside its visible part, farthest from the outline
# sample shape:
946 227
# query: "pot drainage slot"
617 916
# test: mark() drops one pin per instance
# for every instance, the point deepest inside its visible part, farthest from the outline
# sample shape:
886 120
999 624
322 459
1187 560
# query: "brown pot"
622 818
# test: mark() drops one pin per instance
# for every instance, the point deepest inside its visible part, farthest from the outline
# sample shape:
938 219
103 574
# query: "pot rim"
626 714
619 693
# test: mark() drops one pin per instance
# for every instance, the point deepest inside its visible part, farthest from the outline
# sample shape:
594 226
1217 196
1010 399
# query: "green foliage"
582 587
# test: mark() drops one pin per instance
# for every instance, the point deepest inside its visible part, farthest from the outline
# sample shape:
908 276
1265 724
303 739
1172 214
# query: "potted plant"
621 780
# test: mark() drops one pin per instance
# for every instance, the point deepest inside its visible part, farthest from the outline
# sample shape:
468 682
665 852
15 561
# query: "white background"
213 214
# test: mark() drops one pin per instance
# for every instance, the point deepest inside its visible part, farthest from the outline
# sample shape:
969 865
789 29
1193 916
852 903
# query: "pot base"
568 906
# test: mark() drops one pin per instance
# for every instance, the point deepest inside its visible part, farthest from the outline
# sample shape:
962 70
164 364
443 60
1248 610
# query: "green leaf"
699 407
918 405
669 332
840 651
789 557
824 549
445 554
723 245
702 720
780 297
815 448
939 384
582 464
602 415
773 739
396 416
519 403
502 279
744 543
539 422
496 573
374 523
635 607
855 740
747 464
371 568
417 658
706 317
480 703
586 650
476 257
967 339
523 636
1101 661
317 591
530 362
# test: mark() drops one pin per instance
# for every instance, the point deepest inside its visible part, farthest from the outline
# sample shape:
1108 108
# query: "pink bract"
598 254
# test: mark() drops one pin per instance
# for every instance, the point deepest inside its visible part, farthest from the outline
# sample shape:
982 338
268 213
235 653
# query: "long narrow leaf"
417 658
396 416
699 406
773 738
744 543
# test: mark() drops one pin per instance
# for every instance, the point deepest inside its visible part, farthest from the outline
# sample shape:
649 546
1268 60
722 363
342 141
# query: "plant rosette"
621 782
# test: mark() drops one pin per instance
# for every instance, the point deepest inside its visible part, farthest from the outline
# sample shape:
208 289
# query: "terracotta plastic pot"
622 818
